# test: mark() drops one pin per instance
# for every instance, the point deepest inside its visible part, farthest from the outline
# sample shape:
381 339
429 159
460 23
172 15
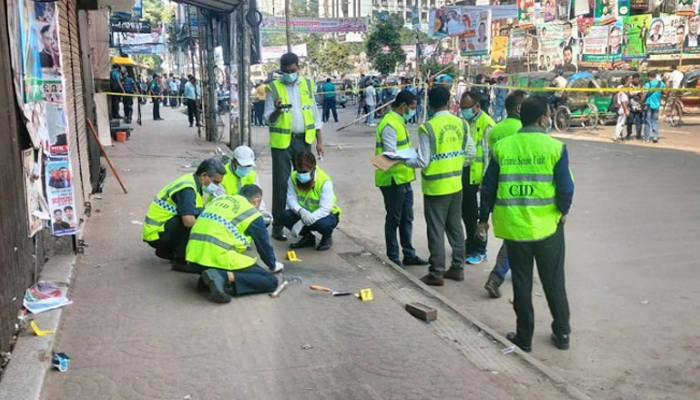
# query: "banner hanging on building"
475 39
150 48
517 48
595 44
156 36
691 42
634 44
314 25
273 53
119 25
526 14
666 35
614 51
606 11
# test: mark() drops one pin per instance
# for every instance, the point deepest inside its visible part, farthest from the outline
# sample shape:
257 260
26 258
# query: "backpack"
614 106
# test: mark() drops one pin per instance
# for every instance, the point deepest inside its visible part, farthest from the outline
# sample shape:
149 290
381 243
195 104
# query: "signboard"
475 39
634 44
518 43
118 25
595 45
606 11
149 48
687 7
639 5
666 35
499 52
273 53
129 39
314 25
691 42
526 14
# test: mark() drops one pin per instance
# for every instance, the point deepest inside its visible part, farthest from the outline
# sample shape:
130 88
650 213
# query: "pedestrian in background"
499 105
371 103
652 104
129 86
174 89
623 112
115 84
259 105
529 188
636 117
191 99
154 90
329 101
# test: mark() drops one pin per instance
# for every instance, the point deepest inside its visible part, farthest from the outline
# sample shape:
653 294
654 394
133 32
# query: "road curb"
23 378
557 379
629 143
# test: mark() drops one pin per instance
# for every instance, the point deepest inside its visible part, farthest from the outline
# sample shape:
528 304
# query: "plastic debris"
60 361
39 332
44 296
307 347
508 350
135 222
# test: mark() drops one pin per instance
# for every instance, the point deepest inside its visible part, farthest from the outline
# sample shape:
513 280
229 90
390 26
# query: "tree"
384 45
153 10
333 57
408 36
433 66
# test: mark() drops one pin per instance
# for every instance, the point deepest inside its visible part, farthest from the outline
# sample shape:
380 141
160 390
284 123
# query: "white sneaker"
279 267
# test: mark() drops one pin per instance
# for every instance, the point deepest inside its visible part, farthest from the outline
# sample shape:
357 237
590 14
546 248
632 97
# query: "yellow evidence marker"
366 295
38 331
292 256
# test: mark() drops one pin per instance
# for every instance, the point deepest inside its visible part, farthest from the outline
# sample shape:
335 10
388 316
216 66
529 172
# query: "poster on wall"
606 11
59 187
595 47
37 208
687 8
635 37
46 26
549 10
475 39
156 35
526 14
666 35
584 8
517 48
614 51
57 127
451 21
691 42
499 52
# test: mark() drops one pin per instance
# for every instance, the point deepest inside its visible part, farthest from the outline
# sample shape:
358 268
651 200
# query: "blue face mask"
411 114
304 177
289 78
431 113
242 172
468 114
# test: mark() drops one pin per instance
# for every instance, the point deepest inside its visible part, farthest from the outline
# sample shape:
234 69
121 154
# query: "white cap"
244 156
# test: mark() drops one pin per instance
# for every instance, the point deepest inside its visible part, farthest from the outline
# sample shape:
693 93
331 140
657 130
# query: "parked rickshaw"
685 102
577 105
609 79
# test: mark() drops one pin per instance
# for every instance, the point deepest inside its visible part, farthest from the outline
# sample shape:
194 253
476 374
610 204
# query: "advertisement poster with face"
595 47
615 34
57 127
59 188
37 207
564 10
666 35
687 8
606 11
549 10
450 21
526 14
46 26
634 42
475 39
499 52
517 46
691 41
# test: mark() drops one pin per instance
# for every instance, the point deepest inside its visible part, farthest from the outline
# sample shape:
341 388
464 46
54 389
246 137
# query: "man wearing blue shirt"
652 102
129 86
190 94
329 101
115 83
154 90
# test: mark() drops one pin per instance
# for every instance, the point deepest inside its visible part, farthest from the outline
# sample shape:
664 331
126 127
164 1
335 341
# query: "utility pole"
288 25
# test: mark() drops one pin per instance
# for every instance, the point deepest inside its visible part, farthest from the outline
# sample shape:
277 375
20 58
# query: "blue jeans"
651 123
324 226
398 203
370 117
499 113
251 280
502 265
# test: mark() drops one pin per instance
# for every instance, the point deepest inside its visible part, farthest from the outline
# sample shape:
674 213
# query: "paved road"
632 269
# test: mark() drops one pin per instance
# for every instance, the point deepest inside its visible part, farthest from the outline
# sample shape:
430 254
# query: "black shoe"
655 140
433 280
561 341
180 265
513 337
201 286
415 260
305 241
325 243
493 286
397 262
216 283
191 125
455 274
278 234
165 254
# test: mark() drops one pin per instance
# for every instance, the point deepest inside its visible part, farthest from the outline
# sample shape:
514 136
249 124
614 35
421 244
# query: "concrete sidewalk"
138 331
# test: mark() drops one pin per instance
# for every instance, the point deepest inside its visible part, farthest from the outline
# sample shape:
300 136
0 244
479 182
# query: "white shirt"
622 98
294 95
424 154
676 78
370 96
325 204
559 82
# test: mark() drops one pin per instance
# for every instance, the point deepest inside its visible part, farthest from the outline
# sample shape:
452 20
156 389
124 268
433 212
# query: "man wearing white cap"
240 172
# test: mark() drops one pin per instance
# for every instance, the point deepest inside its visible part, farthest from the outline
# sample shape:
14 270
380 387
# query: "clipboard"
383 163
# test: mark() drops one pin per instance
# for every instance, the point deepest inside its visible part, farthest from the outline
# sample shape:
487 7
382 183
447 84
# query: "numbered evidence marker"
366 295
38 331
292 256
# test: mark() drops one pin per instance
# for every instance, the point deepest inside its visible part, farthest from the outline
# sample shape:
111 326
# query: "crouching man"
225 230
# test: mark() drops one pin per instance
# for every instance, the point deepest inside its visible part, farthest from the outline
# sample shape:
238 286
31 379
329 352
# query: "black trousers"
328 108
156 108
470 215
398 203
636 119
192 112
128 108
282 160
173 238
114 104
549 254
258 111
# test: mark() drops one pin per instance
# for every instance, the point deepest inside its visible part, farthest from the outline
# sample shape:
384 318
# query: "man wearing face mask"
395 183
225 230
445 147
294 121
240 172
529 188
311 204
480 123
175 208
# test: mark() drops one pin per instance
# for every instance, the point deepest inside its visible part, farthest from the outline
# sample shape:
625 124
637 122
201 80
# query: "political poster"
563 10
666 35
314 25
46 26
526 14
139 26
475 39
549 54
59 187
149 48
549 10
57 129
639 5
687 8
517 46
606 11
634 37
499 52
157 35
584 8
614 51
452 21
691 42
37 208
273 53
595 46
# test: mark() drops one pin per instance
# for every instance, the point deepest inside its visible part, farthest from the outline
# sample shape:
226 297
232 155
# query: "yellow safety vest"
399 173
448 138
218 238
233 184
281 131
163 207
476 167
525 208
311 200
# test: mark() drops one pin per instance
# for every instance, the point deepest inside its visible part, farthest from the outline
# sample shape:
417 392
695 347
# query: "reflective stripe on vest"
228 225
399 173
447 136
476 167
281 132
525 208
163 207
311 200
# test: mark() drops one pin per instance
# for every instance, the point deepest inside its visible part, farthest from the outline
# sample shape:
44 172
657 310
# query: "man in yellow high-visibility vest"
529 188
444 148
480 123
292 114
